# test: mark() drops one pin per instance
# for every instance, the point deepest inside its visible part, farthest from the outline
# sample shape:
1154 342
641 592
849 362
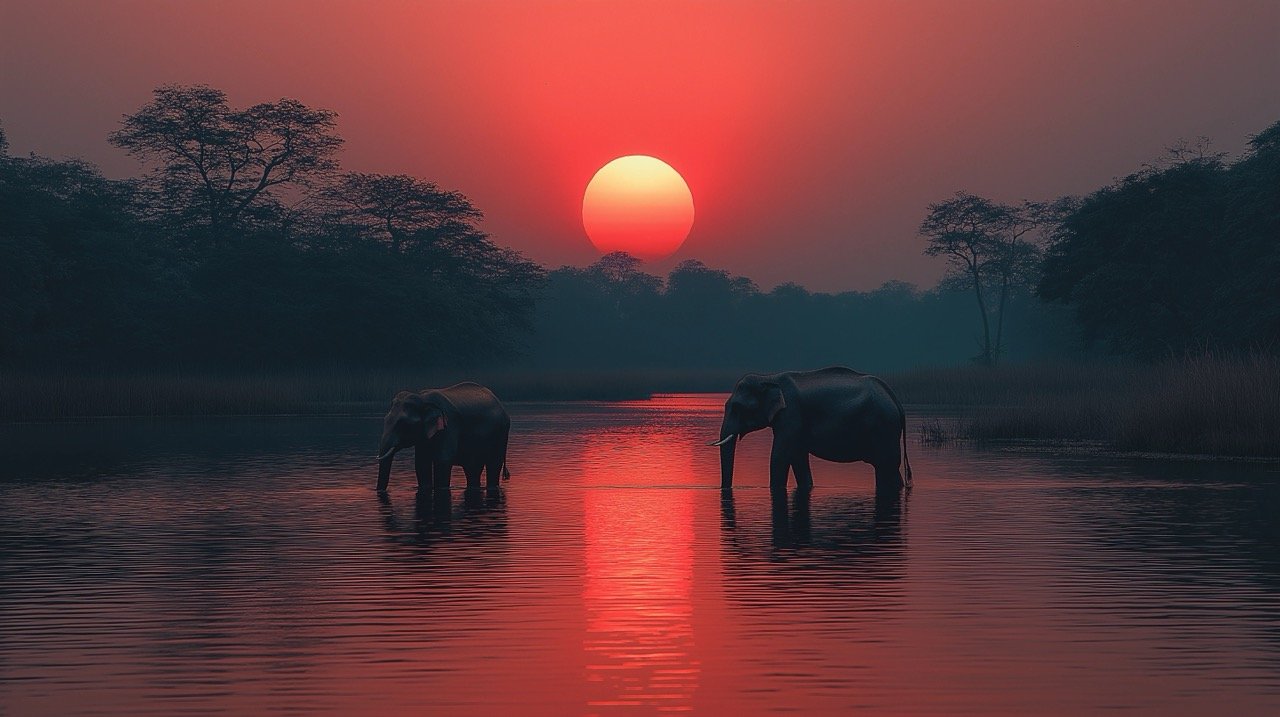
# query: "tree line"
614 315
1178 256
245 244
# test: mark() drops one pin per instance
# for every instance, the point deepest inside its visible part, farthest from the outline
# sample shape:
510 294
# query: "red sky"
811 134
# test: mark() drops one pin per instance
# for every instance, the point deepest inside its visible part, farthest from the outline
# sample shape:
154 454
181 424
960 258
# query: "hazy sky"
811 134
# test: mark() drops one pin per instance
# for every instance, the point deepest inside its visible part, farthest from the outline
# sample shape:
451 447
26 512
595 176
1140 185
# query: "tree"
696 282
1180 255
215 165
987 250
400 211
81 279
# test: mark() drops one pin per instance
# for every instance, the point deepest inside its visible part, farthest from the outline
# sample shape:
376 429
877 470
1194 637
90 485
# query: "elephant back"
466 399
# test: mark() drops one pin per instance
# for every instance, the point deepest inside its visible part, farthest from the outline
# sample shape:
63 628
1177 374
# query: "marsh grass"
1198 404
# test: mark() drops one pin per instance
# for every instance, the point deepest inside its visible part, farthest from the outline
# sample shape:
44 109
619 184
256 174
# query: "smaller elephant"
462 425
836 414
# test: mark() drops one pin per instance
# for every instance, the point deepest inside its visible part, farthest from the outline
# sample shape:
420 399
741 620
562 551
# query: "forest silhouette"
245 245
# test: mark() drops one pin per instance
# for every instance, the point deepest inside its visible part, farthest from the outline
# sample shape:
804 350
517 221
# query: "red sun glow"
637 204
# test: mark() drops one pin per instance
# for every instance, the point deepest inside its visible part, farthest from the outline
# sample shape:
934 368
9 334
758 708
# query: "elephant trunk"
384 473
728 444
386 451
726 464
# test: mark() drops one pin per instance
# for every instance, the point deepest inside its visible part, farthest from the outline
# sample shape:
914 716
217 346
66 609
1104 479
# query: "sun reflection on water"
637 590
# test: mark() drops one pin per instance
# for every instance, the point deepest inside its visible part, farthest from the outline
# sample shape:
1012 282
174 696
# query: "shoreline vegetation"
1197 405
1205 404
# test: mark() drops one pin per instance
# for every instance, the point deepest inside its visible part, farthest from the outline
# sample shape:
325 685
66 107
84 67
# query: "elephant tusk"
386 455
724 440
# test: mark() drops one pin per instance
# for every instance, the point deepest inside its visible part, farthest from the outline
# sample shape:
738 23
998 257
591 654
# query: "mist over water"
246 565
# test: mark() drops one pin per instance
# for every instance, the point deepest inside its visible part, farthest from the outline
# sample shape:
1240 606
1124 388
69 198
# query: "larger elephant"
836 414
462 425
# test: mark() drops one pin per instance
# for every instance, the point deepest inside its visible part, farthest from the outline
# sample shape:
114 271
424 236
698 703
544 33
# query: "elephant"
462 425
835 413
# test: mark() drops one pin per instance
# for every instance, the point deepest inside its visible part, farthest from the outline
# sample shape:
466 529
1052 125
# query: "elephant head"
412 421
755 404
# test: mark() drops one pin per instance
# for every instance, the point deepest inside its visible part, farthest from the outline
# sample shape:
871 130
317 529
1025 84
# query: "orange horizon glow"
637 204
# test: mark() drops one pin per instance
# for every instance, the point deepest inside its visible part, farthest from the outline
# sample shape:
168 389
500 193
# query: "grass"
1199 404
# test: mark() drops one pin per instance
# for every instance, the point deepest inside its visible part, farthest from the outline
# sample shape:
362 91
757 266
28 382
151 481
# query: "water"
241 566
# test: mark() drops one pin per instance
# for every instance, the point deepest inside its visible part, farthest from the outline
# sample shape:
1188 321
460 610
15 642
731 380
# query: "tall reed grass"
1198 404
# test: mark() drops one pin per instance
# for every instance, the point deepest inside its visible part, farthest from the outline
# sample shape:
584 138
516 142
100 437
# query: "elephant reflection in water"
480 516
852 531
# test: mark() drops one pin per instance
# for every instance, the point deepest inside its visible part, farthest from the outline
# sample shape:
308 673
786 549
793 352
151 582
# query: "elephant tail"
506 474
905 459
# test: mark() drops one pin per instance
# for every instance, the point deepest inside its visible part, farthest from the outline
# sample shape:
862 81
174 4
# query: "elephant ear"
774 401
435 426
441 425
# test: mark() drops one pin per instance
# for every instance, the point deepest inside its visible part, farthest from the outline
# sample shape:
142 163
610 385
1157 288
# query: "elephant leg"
493 473
493 469
779 467
888 479
473 475
422 465
780 519
442 471
804 475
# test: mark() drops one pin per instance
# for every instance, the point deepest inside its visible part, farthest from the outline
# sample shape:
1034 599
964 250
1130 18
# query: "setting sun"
637 204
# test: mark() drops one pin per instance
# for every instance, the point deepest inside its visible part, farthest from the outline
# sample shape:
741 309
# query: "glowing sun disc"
637 204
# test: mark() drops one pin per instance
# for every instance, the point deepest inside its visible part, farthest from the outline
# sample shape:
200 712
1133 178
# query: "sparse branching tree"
216 166
957 230
988 249
1186 151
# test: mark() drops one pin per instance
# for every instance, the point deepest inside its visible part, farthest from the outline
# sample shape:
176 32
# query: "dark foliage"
613 315
245 247
1177 257
203 265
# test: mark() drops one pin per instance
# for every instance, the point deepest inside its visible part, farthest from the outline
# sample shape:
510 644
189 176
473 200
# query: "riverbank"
1211 405
1198 405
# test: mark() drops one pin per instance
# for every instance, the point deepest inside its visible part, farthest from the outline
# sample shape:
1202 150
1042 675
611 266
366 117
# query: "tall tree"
987 248
1177 256
215 165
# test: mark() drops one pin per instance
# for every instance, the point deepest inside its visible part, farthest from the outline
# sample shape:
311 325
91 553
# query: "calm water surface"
241 566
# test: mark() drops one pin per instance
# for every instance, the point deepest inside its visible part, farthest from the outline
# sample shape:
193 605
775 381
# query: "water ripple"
245 566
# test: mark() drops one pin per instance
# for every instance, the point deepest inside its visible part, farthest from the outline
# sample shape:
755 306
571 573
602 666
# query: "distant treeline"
612 314
246 246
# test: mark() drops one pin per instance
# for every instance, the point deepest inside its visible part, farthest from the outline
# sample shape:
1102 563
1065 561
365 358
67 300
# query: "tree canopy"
216 165
1176 257
246 246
